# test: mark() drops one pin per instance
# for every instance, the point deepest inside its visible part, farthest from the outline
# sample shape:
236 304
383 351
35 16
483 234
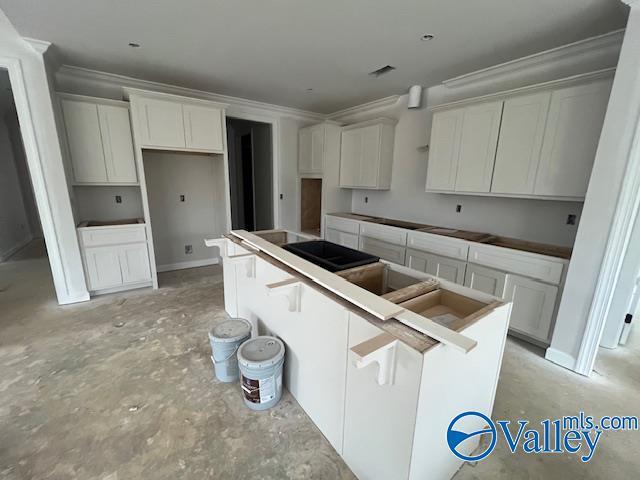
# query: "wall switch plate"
118 199
458 208
571 219
182 198
188 249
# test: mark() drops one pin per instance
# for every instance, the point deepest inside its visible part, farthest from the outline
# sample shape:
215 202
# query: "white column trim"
34 163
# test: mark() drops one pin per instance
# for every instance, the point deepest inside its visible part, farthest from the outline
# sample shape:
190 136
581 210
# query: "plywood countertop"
478 237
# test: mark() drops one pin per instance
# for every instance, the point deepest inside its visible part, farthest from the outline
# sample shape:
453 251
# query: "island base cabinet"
379 419
452 384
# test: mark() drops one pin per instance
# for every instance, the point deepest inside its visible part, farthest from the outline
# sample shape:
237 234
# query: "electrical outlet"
571 219
118 199
366 199
188 249
182 198
281 196
458 208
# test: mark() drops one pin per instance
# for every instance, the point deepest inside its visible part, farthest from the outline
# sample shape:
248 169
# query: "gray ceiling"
274 50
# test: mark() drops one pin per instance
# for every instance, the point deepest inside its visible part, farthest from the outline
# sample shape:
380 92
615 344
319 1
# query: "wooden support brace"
381 350
248 259
221 243
290 288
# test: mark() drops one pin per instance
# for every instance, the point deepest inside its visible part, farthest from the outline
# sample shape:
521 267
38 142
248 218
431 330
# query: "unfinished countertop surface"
478 237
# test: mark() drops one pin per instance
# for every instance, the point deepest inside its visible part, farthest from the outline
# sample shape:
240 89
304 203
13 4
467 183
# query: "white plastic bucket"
225 340
260 360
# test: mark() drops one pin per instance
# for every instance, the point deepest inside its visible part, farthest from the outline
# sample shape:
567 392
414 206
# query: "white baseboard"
560 358
19 246
189 264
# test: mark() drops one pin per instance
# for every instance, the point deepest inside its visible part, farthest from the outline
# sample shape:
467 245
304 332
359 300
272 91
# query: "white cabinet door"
103 267
203 127
311 149
134 263
442 267
341 238
117 143
161 123
370 156
384 250
485 280
444 150
350 157
571 138
533 305
478 141
85 141
380 449
519 144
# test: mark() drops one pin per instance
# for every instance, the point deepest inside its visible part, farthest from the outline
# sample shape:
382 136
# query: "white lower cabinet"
442 267
384 250
341 238
485 280
115 257
380 419
533 306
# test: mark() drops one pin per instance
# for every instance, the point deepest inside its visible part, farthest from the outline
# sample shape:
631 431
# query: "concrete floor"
122 388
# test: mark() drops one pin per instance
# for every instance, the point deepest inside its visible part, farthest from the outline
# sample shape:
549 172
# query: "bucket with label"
225 340
260 360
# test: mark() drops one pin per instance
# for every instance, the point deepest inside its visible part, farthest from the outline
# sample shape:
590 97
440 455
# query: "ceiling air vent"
382 71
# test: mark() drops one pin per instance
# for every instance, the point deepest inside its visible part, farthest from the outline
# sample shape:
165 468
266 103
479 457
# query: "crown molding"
123 82
608 42
368 107
39 46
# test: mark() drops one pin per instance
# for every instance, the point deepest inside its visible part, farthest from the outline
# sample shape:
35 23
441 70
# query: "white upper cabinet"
161 123
444 149
576 115
367 154
99 140
169 122
478 140
518 154
311 149
537 141
117 144
203 127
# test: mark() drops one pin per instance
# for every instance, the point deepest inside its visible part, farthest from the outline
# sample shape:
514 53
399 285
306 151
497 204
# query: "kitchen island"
380 357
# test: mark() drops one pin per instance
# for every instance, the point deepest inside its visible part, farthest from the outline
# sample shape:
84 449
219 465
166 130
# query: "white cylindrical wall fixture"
415 95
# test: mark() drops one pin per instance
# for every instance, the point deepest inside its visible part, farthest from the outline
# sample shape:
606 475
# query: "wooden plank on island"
368 301
437 331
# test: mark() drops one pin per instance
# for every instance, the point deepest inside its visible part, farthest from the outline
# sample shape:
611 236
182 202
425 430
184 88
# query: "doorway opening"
25 274
250 150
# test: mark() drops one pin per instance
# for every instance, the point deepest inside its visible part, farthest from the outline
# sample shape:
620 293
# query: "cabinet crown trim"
88 99
552 84
373 121
135 92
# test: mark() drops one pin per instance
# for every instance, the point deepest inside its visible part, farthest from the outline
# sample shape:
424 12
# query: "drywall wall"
22 169
99 203
200 178
619 133
14 223
535 220
42 146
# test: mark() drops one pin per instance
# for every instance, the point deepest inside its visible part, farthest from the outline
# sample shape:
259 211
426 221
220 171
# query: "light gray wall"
14 223
534 220
175 224
99 203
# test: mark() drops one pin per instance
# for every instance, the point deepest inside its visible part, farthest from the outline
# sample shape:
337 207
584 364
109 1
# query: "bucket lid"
230 330
261 352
